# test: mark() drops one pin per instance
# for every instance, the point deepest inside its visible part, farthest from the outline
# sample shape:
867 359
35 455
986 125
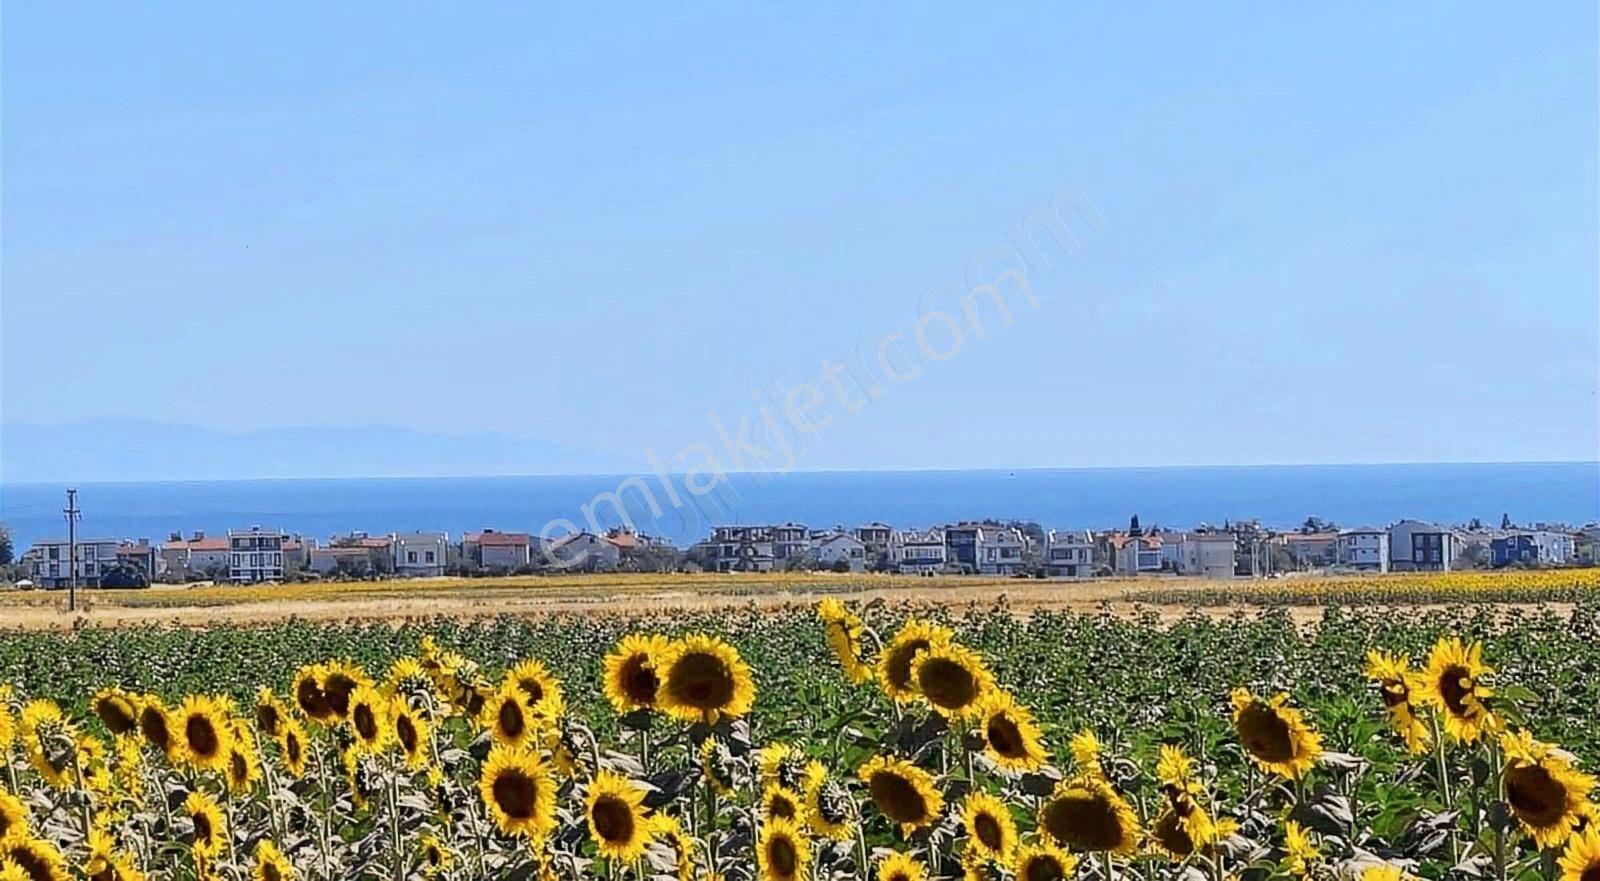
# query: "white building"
1418 546
914 552
1000 550
583 552
96 556
741 548
832 546
1365 549
791 542
1069 553
1212 556
419 554
255 554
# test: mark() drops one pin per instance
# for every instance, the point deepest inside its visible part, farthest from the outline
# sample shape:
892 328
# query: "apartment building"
1069 553
255 554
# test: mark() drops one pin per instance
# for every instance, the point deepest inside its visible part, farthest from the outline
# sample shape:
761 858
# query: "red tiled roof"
199 544
503 539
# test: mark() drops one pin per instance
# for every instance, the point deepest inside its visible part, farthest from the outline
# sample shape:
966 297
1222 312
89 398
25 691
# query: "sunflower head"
36 858
1011 739
1546 793
13 815
1275 734
308 694
1087 814
780 764
209 833
829 810
991 831
1043 861
844 631
1581 859
614 808
269 712
783 803
902 792
367 712
1453 683
244 768
895 662
156 726
631 681
50 742
411 732
507 716
901 867
541 690
520 795
270 863
202 728
703 679
1299 849
117 709
435 856
782 851
339 682
292 747
952 678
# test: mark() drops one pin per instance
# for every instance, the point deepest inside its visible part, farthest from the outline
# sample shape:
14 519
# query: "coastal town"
260 554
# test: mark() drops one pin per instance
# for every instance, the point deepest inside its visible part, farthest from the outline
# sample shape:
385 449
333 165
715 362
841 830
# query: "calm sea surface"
1350 495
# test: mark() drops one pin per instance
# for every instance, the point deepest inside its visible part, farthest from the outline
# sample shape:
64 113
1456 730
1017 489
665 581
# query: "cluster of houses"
982 548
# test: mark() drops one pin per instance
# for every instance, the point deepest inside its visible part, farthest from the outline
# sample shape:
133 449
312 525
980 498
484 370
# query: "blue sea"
1350 495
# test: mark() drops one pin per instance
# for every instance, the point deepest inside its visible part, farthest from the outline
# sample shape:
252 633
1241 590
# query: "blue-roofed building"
1540 547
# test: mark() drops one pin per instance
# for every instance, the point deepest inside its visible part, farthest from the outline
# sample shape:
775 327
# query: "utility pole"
73 515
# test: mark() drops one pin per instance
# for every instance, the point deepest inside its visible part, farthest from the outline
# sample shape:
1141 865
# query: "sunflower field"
835 742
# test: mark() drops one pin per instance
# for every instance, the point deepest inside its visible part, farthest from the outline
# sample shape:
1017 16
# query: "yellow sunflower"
716 766
13 815
1399 685
201 724
270 863
631 681
38 859
1299 850
782 852
1011 739
703 679
1386 872
410 732
292 747
895 662
1044 861
540 688
269 712
338 682
1087 814
244 768
49 742
507 716
8 722
844 631
210 830
436 856
781 764
668 832
952 678
408 680
783 803
104 863
1545 792
367 712
1275 734
991 830
1581 860
902 792
1086 748
1452 682
516 787
117 709
614 808
901 867
829 809
308 695
155 725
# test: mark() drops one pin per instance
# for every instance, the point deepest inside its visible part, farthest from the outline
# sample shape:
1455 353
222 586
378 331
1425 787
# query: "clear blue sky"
1349 234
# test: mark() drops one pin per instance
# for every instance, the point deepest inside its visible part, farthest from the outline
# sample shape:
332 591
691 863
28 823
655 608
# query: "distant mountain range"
103 450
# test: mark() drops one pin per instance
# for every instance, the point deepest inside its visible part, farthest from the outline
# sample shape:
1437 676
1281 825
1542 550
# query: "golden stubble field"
197 605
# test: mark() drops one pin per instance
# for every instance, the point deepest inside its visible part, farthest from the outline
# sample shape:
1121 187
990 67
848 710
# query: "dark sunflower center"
117 713
511 721
366 721
613 819
781 806
1083 822
311 699
432 856
781 856
987 830
153 723
1538 799
1265 734
1043 868
267 718
291 746
238 767
337 689
6 824
900 662
1170 833
202 736
533 689
1591 872
898 875
1455 684
516 794
269 872
898 798
33 864
639 681
202 829
406 730
1395 693
946 683
702 681
1005 737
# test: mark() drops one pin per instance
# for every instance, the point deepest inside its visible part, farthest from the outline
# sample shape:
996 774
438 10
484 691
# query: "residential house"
1137 554
913 552
1585 545
1069 553
195 557
875 537
1364 549
984 548
419 554
51 561
499 551
1538 547
337 559
741 549
255 554
1419 546
583 552
832 546
297 553
1211 554
1313 550
791 545
139 555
